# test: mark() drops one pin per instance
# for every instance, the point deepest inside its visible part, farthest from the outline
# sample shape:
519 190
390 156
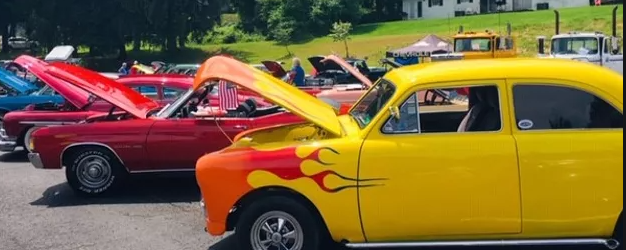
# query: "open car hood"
281 93
333 59
144 68
320 66
78 97
11 81
275 67
109 90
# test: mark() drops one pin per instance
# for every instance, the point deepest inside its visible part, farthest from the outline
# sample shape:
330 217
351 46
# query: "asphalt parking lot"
39 211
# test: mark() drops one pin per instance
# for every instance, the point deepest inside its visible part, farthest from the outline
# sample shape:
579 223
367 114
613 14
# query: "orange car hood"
281 93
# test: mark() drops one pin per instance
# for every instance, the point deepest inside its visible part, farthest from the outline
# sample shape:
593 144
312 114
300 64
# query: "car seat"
484 114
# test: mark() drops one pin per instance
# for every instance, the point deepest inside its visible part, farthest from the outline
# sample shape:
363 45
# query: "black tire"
108 169
310 229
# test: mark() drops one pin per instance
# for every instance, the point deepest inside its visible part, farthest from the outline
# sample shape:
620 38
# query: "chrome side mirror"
395 112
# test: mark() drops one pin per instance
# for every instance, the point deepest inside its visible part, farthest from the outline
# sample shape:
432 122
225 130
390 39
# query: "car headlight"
31 143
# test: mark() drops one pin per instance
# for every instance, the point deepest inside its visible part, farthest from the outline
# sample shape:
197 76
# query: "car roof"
509 68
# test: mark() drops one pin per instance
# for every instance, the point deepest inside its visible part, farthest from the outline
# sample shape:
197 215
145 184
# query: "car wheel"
26 137
277 223
93 171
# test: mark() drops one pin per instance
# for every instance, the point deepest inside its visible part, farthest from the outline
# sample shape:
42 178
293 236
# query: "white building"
416 9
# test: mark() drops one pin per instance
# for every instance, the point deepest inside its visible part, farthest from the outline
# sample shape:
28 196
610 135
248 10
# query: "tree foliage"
107 26
340 32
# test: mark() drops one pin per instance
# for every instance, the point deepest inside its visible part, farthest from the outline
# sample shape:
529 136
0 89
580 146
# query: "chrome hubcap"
93 171
276 230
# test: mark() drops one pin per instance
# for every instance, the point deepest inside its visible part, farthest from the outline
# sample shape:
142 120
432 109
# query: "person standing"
123 70
296 74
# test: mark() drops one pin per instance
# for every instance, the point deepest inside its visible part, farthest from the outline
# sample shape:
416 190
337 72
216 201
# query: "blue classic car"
19 93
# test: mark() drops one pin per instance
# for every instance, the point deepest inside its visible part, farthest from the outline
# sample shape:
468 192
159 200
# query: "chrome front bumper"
35 159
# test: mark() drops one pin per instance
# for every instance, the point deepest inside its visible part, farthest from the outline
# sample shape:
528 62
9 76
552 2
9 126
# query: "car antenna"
222 130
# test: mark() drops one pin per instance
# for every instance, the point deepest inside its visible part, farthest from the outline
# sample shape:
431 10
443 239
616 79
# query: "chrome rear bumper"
7 146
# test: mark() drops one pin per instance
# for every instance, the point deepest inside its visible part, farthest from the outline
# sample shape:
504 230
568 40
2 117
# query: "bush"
231 33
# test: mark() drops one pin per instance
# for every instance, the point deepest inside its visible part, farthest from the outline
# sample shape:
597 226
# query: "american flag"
227 94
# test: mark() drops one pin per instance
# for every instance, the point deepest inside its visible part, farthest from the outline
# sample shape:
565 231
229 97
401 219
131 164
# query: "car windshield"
472 44
373 101
574 45
167 109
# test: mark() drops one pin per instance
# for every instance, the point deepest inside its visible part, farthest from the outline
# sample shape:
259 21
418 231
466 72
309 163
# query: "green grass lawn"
373 40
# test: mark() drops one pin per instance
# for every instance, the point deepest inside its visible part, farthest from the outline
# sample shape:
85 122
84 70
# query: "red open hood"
109 90
333 59
275 67
78 97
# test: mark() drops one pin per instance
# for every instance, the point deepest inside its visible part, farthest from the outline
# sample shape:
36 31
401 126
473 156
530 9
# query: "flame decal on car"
300 163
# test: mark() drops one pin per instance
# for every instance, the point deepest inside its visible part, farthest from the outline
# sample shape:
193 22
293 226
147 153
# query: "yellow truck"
480 45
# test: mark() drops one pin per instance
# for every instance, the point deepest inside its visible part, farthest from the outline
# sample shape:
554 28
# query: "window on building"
546 107
432 3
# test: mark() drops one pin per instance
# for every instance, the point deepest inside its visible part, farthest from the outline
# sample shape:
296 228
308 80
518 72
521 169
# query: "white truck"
593 47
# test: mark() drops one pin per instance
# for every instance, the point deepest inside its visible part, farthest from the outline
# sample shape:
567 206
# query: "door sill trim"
608 243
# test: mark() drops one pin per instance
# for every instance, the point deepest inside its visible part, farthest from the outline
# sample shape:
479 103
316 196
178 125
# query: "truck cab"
480 45
593 47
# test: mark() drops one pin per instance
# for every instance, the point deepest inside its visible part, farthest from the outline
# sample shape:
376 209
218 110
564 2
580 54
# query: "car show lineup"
489 155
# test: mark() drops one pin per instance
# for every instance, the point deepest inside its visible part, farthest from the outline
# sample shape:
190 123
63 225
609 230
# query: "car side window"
408 121
548 107
455 110
147 91
172 93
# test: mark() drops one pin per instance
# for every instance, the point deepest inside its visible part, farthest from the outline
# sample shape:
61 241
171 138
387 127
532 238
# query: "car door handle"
244 127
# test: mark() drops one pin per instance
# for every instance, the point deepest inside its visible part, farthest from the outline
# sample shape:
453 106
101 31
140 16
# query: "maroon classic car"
138 137
18 126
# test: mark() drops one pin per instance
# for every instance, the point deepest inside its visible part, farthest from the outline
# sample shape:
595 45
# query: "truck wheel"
94 171
277 223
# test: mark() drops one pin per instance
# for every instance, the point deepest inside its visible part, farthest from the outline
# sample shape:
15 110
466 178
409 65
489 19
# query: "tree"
283 34
341 32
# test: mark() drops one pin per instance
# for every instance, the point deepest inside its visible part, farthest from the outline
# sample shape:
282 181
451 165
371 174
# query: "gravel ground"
39 211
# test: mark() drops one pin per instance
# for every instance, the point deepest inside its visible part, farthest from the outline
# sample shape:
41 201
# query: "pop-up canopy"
425 47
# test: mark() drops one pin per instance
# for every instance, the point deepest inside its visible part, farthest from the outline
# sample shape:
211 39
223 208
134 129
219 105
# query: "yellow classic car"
533 157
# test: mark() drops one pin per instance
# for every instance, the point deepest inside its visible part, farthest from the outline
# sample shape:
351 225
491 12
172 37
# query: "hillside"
372 40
